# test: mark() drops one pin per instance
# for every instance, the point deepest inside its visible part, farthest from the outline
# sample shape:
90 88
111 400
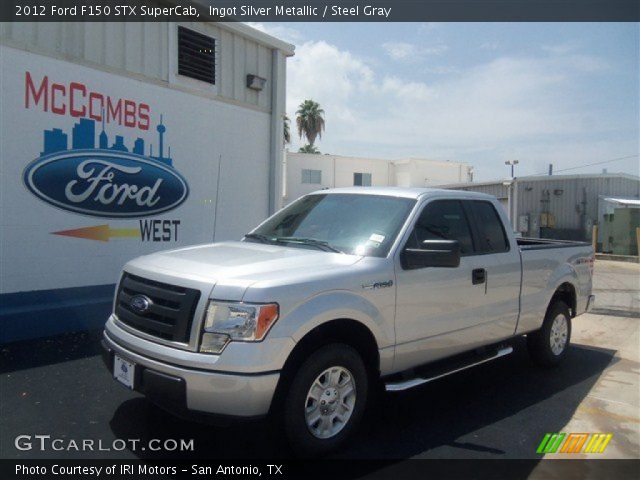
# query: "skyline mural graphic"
83 137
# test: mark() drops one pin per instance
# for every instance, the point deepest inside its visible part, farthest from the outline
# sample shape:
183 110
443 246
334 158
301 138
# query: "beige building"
305 173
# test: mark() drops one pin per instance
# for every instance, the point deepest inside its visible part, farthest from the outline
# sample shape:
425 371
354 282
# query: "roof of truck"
404 192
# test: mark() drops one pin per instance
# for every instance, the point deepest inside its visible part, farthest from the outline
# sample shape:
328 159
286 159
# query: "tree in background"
310 121
287 130
309 149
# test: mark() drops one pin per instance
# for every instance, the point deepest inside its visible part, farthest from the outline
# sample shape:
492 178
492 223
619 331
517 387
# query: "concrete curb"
618 258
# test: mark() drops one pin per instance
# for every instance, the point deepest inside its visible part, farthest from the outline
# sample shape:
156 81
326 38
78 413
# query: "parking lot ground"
500 410
613 403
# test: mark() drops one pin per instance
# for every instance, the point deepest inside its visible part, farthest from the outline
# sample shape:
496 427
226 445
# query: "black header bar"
320 11
320 469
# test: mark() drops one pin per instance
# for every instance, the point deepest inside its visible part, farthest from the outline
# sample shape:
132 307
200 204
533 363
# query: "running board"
414 382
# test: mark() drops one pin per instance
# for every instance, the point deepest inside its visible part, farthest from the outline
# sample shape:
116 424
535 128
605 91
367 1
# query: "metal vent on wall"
196 55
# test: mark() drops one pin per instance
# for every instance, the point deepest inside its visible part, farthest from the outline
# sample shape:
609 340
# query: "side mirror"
433 253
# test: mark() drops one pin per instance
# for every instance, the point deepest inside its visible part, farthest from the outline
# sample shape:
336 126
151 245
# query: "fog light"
213 342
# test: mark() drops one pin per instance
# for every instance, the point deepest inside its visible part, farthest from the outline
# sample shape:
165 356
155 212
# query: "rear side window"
490 229
443 219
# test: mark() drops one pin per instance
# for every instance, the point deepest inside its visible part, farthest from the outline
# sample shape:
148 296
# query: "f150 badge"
104 180
377 285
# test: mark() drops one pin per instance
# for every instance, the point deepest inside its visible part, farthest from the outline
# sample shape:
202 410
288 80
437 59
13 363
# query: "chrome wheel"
330 402
559 334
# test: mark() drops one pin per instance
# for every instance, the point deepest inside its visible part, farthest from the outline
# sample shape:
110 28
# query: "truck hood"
241 263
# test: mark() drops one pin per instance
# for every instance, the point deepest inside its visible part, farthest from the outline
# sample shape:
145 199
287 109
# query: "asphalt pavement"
501 410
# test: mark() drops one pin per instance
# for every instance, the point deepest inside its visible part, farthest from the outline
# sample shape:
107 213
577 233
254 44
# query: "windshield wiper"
260 237
320 244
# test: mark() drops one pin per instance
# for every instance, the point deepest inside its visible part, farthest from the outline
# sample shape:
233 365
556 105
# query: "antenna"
215 210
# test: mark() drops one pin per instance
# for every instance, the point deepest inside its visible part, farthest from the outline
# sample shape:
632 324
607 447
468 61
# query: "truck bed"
530 243
544 261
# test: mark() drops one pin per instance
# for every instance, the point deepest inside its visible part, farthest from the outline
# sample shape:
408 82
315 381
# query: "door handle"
478 276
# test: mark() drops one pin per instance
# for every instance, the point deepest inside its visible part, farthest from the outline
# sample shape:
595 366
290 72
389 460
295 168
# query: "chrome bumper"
238 395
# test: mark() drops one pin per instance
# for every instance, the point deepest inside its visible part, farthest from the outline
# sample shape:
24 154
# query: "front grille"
170 313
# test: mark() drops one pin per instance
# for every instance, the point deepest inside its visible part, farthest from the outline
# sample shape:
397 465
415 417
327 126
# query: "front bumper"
181 389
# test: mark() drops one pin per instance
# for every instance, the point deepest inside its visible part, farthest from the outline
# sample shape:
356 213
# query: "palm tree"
287 130
309 149
310 120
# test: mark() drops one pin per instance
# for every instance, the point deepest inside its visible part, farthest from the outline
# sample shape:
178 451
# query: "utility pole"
512 163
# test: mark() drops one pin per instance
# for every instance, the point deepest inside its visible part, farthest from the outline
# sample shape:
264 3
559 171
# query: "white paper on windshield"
377 238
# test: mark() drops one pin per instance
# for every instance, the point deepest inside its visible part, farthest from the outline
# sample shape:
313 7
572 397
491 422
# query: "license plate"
123 371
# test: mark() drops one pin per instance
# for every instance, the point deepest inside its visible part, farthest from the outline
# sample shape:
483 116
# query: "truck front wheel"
548 346
326 400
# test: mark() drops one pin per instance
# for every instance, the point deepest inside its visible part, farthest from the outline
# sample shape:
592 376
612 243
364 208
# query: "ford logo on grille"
140 303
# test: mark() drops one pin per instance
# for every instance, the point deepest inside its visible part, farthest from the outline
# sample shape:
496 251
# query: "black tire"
539 343
302 440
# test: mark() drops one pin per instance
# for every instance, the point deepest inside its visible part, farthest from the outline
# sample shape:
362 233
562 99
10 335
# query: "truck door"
501 263
438 309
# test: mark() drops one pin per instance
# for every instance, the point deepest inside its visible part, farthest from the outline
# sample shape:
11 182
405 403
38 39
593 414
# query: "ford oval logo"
140 303
105 183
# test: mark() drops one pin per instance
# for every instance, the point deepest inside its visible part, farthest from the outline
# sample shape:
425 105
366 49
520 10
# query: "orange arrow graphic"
101 233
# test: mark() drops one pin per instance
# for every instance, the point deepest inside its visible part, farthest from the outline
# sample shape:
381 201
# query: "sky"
479 93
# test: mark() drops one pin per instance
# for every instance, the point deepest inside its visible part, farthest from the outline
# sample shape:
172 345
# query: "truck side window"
493 238
443 219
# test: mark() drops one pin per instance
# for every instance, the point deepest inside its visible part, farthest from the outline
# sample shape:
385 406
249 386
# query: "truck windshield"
351 223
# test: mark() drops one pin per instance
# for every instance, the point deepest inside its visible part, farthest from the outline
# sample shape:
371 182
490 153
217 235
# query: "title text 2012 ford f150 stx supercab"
341 291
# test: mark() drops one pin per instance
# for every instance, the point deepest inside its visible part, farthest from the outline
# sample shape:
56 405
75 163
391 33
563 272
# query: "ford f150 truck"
341 291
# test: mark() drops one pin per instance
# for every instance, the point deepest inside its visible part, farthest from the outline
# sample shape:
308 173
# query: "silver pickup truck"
340 292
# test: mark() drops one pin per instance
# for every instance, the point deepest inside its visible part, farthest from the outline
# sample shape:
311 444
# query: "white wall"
295 163
428 173
149 50
200 132
337 171
347 166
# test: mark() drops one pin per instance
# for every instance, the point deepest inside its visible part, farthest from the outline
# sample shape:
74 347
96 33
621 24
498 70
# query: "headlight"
244 322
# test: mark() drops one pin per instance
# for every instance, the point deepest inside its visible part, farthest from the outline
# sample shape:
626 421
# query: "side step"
398 386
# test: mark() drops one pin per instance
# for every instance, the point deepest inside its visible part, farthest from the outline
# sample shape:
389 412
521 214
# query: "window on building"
362 179
196 55
311 176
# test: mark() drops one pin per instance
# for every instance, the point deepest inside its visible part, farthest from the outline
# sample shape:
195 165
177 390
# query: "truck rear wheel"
326 400
548 346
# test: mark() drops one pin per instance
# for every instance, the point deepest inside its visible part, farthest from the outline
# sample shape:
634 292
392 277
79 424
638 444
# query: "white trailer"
121 139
